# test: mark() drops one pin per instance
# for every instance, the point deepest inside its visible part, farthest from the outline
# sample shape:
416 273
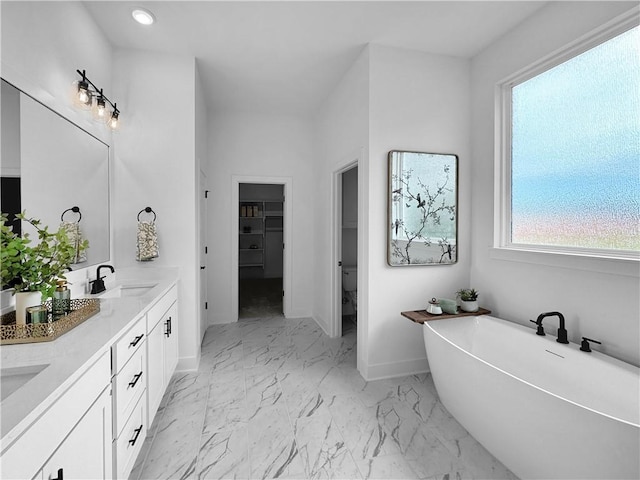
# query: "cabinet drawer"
128 386
130 441
156 313
128 344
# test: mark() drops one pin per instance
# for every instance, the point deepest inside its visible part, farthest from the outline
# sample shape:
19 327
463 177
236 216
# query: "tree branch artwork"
423 206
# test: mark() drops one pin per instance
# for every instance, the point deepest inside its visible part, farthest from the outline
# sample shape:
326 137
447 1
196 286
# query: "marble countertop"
69 356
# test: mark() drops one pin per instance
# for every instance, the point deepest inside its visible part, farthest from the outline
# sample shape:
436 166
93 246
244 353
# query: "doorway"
260 250
349 249
345 250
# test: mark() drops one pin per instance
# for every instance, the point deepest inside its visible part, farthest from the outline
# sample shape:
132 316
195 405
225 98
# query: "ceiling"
288 55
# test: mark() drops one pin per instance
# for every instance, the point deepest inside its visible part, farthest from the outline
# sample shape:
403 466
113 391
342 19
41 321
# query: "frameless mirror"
49 166
423 209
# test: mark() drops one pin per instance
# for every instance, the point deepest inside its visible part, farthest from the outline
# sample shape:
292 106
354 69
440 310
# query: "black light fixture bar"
85 82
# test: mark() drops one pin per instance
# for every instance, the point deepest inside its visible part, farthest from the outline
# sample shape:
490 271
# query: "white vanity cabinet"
72 436
129 399
86 414
85 453
162 349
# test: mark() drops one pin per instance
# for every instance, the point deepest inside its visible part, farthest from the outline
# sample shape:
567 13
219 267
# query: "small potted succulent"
468 299
32 270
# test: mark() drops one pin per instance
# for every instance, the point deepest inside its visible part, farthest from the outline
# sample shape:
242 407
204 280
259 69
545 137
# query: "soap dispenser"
61 304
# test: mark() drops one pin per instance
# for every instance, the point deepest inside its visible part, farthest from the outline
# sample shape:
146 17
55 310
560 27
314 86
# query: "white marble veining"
277 398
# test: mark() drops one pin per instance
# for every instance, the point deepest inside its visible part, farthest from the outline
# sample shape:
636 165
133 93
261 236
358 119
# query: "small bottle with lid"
61 304
434 307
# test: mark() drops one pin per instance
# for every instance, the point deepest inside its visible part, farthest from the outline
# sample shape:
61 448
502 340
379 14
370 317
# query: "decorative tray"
81 310
421 316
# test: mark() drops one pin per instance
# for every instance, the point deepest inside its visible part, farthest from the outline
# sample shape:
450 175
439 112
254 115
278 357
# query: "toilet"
349 290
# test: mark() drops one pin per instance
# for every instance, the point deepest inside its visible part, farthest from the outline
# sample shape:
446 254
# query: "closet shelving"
257 217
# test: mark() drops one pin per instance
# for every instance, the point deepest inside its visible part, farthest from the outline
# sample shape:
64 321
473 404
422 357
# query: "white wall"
259 145
391 99
603 306
40 54
155 166
342 136
419 102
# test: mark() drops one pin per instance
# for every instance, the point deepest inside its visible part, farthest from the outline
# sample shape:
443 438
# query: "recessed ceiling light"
143 17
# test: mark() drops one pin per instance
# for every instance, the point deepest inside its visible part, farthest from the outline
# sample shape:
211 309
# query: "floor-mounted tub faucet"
97 285
562 332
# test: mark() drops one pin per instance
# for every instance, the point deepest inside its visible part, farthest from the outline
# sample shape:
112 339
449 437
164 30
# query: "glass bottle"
37 314
61 304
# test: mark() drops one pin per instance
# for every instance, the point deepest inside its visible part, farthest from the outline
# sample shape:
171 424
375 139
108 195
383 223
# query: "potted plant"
32 270
468 299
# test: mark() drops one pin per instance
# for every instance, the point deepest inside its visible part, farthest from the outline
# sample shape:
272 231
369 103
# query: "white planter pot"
24 300
469 306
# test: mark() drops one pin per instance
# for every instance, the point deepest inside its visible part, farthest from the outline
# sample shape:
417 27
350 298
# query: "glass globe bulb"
100 111
83 96
114 120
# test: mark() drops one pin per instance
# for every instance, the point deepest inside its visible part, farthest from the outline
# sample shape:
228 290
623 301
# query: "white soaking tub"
544 409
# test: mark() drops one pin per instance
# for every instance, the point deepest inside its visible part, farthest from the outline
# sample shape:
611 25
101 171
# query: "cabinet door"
155 370
86 453
170 325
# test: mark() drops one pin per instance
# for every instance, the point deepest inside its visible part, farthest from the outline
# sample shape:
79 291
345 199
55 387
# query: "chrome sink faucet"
97 285
562 331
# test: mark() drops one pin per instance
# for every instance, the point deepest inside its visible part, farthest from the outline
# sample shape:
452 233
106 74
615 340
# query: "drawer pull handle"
135 437
133 382
60 475
136 340
168 325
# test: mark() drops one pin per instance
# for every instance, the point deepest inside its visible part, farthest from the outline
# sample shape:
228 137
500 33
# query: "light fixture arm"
98 91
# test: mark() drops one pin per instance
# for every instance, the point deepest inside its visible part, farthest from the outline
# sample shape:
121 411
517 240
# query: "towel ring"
148 210
74 210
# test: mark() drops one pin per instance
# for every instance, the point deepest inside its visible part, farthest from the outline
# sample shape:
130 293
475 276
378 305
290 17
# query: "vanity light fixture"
143 17
87 91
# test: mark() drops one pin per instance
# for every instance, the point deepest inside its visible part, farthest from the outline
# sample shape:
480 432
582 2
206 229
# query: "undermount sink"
127 291
11 379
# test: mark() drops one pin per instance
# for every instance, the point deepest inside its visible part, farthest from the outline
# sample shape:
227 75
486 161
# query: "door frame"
203 230
287 229
336 248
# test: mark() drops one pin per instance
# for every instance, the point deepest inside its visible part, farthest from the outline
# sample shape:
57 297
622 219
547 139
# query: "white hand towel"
147 244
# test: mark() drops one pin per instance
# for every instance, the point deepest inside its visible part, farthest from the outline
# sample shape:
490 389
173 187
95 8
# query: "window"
571 151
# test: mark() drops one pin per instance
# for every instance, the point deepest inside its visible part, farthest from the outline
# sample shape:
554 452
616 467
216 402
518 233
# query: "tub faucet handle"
585 347
539 330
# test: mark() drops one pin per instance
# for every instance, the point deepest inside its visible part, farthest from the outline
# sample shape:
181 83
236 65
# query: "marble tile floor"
277 398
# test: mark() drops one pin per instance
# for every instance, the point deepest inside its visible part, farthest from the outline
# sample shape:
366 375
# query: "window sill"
628 267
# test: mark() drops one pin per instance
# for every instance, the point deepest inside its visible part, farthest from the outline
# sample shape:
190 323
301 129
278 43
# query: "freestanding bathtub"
544 409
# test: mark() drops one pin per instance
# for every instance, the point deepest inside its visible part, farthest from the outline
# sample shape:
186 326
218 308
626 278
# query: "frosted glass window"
575 151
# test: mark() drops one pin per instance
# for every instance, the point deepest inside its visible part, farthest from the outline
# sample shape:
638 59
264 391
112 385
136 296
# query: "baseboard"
188 364
403 368
220 319
323 325
299 314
